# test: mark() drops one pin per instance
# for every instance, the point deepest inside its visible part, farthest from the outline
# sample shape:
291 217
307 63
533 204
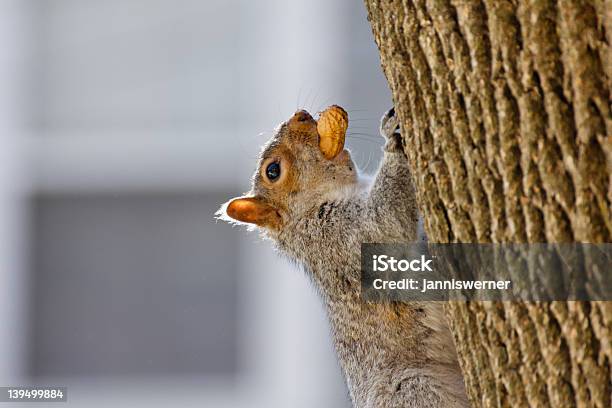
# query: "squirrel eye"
273 171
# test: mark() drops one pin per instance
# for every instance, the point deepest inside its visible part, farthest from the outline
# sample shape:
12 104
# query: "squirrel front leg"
392 202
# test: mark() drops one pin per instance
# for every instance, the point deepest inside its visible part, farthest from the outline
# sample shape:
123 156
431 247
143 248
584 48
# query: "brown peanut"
331 126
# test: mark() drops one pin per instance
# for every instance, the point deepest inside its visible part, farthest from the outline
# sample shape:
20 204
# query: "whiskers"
364 137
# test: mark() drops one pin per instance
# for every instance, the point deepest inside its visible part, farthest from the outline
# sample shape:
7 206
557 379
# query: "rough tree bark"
505 111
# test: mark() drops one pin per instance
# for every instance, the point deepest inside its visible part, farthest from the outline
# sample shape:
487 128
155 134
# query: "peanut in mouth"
331 126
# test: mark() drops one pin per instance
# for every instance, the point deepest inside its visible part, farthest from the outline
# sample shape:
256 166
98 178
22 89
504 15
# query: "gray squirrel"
317 210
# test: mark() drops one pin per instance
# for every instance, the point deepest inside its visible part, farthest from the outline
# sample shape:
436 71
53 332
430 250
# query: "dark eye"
273 171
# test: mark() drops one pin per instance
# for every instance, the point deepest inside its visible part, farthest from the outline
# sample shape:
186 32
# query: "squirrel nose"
303 126
301 116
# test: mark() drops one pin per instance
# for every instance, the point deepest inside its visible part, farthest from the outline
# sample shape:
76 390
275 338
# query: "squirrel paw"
390 130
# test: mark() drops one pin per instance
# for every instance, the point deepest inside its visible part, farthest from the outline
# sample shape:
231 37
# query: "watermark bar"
33 394
463 272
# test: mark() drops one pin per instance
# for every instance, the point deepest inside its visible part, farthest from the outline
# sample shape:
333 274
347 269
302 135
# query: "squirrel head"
300 166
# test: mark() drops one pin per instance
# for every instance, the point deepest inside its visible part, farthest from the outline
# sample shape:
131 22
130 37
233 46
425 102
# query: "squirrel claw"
390 130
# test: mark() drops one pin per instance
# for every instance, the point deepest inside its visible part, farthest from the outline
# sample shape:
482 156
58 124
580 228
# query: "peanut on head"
331 126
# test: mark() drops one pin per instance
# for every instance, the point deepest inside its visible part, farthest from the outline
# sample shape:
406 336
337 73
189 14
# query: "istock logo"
383 263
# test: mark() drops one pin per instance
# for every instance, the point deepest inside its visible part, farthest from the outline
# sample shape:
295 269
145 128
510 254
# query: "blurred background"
124 124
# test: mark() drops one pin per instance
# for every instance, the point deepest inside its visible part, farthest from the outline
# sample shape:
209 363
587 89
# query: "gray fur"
392 354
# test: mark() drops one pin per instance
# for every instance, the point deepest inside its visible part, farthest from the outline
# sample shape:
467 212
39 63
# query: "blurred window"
133 284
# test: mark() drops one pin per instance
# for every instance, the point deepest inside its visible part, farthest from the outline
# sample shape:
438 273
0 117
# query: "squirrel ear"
253 210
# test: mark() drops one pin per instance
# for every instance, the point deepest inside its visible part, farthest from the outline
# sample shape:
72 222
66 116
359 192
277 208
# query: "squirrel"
317 211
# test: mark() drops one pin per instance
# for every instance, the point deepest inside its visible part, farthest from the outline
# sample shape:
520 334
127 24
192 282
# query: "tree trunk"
505 111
